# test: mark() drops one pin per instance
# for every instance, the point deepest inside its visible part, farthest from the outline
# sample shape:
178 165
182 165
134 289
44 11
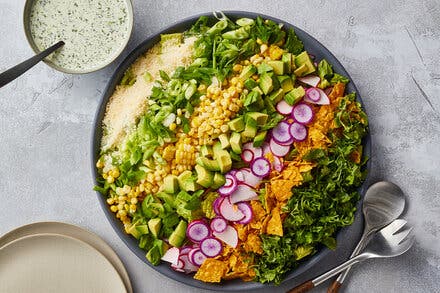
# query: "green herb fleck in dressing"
93 31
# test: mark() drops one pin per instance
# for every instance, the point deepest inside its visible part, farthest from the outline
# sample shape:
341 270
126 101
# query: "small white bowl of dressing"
95 32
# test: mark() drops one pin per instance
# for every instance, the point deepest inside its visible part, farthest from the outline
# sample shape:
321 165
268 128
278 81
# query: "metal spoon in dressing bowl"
14 72
383 203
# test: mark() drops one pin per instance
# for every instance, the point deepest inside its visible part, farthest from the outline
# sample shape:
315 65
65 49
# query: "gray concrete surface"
391 49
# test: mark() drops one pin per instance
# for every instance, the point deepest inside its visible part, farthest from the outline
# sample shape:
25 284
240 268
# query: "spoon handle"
14 72
334 287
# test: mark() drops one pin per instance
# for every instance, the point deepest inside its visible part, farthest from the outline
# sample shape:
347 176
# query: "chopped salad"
244 162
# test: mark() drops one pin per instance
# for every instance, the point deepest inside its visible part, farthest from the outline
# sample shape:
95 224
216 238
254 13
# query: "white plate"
29 266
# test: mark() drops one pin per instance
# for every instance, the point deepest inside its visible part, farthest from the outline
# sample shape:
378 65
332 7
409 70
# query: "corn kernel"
173 126
114 209
110 179
100 164
110 200
237 67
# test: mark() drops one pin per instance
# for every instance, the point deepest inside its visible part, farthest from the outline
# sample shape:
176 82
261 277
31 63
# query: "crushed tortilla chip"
253 244
275 225
211 271
282 189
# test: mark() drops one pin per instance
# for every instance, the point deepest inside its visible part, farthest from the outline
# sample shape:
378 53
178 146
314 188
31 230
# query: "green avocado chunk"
295 95
154 225
236 124
178 236
208 164
235 142
170 184
186 181
204 177
278 66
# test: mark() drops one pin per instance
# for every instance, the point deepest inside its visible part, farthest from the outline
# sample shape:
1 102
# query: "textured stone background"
391 49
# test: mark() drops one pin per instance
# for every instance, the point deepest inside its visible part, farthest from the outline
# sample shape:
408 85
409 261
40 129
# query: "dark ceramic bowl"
348 235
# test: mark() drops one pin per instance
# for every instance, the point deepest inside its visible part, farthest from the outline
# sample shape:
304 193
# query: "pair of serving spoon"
383 203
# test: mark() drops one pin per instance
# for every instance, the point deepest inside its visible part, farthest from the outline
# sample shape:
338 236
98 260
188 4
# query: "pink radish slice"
191 254
247 211
211 247
247 155
257 151
311 80
298 131
249 178
216 204
229 211
277 164
179 266
172 256
260 167
229 236
313 94
188 266
197 231
279 150
281 132
289 142
197 257
243 193
218 224
240 176
323 100
302 113
230 188
185 250
284 108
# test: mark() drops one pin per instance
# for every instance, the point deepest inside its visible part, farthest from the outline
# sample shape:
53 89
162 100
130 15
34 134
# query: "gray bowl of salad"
229 151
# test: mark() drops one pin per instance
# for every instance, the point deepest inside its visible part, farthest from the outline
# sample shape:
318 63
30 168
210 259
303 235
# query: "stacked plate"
58 257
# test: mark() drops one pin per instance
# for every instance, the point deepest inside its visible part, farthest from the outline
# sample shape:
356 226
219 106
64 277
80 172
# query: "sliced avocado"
236 124
277 96
258 89
208 164
264 67
178 236
277 65
142 229
154 225
224 140
304 59
170 184
235 142
260 118
247 72
166 198
268 104
250 83
275 82
206 151
250 129
259 138
295 95
134 232
224 160
301 71
186 181
235 156
204 177
287 60
286 83
219 180
216 147
266 83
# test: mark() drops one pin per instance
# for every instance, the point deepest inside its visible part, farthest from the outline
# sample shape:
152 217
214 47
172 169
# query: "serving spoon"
383 203
14 72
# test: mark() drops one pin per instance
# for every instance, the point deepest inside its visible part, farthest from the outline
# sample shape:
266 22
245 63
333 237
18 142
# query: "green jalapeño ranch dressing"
93 31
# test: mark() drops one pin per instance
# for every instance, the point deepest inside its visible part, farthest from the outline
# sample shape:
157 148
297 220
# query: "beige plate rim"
72 231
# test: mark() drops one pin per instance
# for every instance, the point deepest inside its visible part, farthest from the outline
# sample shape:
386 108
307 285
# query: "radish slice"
197 231
289 142
323 98
277 164
257 151
229 211
230 185
260 167
279 150
172 256
229 236
197 257
188 266
247 155
302 113
249 178
298 131
185 250
247 211
313 94
281 132
179 266
284 108
218 224
311 80
240 176
211 247
216 205
243 193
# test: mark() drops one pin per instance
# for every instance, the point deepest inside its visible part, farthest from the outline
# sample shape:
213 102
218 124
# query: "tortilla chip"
242 231
337 91
275 225
211 271
253 244
282 189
